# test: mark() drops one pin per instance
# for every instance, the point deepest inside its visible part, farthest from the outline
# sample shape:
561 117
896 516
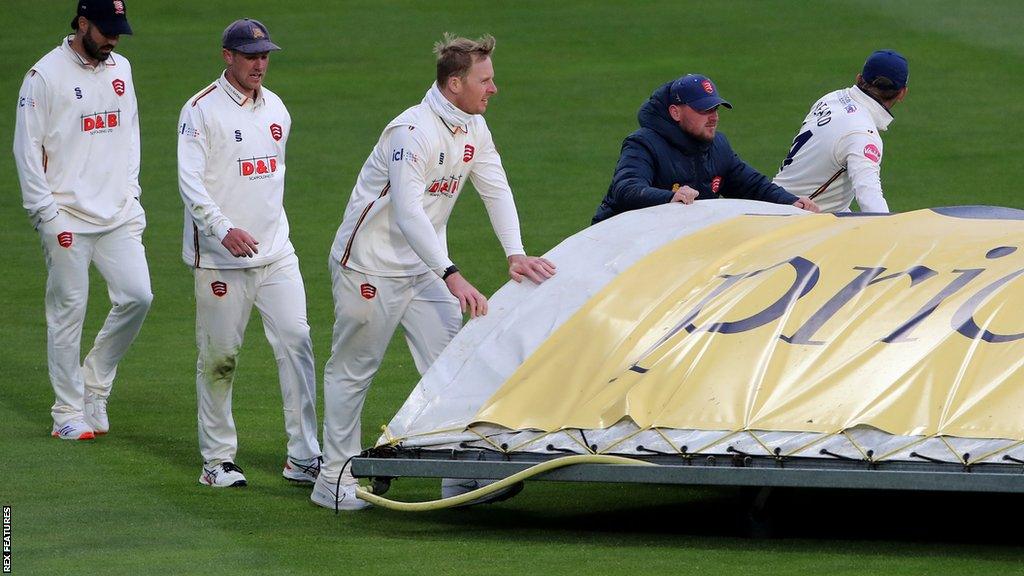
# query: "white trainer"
223 475
96 413
451 487
74 430
303 471
344 499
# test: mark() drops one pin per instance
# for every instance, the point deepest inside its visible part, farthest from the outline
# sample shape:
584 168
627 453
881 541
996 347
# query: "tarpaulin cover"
737 316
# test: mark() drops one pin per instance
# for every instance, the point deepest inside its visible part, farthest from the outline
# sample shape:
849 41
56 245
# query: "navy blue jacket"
660 154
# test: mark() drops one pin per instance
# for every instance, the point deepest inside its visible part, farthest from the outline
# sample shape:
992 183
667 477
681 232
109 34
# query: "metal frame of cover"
702 470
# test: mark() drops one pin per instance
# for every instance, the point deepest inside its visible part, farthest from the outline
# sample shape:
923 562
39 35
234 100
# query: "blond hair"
456 55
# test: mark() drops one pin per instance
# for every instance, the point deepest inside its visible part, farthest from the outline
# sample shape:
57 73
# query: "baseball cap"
248 36
697 92
110 16
886 64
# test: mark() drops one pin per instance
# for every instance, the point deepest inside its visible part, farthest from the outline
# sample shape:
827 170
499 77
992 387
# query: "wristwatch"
449 271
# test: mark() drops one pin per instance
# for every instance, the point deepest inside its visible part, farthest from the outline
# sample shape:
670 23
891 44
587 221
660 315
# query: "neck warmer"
445 109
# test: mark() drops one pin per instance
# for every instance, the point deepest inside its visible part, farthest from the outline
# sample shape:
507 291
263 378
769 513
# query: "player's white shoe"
304 471
344 499
74 430
96 413
223 475
451 487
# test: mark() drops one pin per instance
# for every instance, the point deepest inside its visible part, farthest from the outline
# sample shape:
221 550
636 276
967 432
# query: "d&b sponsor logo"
257 167
101 122
447 186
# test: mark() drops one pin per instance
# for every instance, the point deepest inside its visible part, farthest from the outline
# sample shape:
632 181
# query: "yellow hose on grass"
367 495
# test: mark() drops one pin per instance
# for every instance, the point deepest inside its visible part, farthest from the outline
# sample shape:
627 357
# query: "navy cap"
248 37
697 92
886 64
110 16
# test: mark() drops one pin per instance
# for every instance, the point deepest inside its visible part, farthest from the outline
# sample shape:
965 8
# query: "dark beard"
92 49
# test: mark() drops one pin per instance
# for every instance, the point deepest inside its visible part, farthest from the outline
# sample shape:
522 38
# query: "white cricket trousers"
224 301
367 310
119 256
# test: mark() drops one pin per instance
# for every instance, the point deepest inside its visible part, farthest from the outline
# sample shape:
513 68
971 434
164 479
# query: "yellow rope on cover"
367 495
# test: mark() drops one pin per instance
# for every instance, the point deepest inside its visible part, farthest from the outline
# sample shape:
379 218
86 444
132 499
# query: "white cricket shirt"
396 219
231 172
839 146
76 140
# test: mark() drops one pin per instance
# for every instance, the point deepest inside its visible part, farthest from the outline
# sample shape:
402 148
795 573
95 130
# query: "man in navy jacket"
678 155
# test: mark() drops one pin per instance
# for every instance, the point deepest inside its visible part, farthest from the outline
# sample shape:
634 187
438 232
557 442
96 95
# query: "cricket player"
837 153
389 262
231 171
76 146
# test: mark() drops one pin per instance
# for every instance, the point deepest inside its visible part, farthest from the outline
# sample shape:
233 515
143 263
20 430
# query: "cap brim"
257 47
117 27
707 103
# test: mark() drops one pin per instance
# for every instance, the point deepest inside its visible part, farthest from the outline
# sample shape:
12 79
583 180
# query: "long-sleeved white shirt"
839 145
76 140
231 168
397 216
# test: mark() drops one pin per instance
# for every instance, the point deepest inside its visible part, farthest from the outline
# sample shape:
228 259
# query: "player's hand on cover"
470 299
807 204
240 243
684 194
533 267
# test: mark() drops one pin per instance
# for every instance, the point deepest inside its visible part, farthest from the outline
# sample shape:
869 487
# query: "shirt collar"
879 115
77 58
238 97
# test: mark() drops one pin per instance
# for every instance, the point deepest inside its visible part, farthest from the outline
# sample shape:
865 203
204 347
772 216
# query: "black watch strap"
449 271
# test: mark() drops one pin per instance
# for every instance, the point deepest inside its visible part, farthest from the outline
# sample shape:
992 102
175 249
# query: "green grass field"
571 76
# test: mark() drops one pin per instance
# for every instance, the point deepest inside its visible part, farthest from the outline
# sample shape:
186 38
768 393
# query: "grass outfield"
571 76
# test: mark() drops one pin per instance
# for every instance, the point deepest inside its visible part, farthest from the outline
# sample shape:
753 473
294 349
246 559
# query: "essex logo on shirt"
65 239
101 122
276 131
447 186
716 183
467 153
871 152
368 291
118 85
257 167
219 289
